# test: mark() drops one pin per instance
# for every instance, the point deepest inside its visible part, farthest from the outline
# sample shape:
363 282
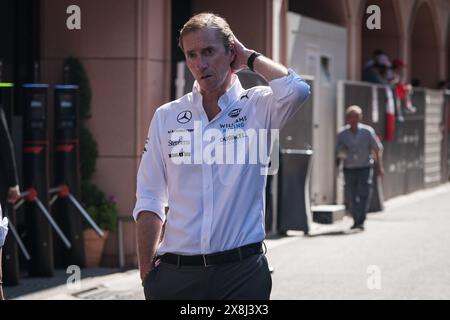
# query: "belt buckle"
204 261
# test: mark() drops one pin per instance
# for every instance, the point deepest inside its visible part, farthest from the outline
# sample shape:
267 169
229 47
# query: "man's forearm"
380 159
265 67
269 69
377 155
379 162
148 233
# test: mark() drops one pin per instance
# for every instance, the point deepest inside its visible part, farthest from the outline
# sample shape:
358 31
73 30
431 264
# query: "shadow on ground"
334 233
325 231
28 285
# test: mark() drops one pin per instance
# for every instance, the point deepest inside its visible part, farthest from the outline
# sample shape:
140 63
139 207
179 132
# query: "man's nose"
202 64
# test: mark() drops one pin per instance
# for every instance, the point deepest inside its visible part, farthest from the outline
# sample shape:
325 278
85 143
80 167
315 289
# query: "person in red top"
403 90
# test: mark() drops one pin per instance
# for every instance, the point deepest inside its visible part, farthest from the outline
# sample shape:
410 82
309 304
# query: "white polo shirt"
216 197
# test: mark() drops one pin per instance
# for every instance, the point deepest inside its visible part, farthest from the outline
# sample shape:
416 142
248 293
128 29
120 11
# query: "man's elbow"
301 92
149 217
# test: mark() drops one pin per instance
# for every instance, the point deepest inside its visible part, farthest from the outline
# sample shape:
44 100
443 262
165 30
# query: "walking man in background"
9 188
212 243
358 145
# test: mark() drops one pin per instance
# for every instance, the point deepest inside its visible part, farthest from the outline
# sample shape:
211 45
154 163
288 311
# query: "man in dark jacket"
9 188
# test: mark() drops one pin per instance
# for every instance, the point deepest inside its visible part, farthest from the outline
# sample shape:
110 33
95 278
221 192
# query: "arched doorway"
424 62
387 38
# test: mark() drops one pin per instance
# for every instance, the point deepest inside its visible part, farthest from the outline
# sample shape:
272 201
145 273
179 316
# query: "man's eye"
191 55
209 51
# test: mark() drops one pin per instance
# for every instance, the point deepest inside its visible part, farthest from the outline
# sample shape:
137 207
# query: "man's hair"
354 109
377 52
208 20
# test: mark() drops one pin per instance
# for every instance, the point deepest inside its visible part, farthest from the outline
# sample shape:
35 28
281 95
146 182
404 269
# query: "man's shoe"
354 226
361 227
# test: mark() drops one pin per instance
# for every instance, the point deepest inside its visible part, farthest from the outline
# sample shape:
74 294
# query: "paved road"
407 246
403 254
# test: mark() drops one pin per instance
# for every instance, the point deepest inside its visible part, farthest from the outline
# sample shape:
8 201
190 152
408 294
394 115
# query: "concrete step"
328 214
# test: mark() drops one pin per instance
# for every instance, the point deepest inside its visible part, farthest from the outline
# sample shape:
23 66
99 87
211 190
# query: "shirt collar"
227 99
358 127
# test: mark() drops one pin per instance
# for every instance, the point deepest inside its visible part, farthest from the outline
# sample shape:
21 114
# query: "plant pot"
93 247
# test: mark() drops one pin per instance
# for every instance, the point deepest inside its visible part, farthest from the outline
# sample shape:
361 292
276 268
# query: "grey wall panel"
433 137
446 141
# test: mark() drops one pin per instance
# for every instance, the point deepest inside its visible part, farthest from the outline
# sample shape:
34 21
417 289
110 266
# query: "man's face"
207 60
353 118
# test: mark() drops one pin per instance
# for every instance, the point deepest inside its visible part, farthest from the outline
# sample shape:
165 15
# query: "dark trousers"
358 189
249 279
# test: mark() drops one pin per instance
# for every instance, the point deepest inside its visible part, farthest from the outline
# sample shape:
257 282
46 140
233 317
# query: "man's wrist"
147 265
248 53
147 270
14 188
251 59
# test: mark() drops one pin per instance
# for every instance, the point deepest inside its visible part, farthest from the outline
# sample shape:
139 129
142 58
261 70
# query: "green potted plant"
103 211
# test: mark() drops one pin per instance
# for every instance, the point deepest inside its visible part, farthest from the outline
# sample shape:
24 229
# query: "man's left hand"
380 171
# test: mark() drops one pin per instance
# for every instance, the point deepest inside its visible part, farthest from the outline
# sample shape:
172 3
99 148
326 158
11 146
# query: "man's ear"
232 51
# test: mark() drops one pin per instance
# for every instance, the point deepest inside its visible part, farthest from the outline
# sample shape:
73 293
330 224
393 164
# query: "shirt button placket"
207 206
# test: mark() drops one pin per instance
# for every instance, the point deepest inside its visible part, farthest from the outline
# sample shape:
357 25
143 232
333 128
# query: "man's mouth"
205 77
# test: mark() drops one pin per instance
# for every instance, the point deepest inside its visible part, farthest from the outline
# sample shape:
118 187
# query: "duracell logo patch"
234 113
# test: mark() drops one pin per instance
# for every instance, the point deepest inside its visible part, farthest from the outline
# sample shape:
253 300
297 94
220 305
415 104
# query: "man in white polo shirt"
212 242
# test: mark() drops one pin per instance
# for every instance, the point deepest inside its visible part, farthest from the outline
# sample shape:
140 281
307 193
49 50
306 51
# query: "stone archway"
388 37
424 61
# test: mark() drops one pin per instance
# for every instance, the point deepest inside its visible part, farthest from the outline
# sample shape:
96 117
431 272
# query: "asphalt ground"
404 253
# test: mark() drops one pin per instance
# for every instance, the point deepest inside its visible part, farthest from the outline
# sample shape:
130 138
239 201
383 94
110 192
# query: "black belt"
212 259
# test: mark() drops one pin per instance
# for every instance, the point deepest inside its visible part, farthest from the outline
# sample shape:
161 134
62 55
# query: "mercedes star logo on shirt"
184 117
